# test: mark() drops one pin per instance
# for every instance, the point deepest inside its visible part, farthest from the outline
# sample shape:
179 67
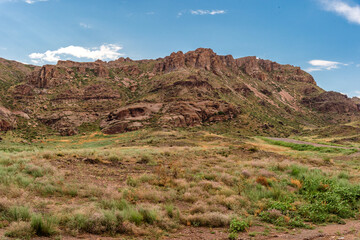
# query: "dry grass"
148 191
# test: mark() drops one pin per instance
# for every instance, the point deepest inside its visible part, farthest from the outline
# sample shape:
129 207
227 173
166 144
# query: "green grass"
306 147
18 213
320 199
43 226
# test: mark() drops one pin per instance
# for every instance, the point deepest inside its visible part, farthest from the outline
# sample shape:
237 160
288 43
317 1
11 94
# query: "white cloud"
84 25
207 12
321 65
104 52
34 1
350 12
26 1
357 94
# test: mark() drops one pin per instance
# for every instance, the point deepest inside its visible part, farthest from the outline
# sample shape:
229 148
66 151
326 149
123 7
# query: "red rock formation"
184 114
7 119
331 102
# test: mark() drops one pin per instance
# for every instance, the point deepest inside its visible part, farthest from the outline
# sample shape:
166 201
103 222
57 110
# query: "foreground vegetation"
154 184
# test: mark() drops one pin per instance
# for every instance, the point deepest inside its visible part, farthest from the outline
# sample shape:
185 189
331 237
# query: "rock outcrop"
332 102
130 118
189 114
173 114
206 59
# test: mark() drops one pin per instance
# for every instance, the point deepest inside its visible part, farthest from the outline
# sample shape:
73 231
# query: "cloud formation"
321 65
34 1
350 12
84 25
207 12
104 52
357 94
26 1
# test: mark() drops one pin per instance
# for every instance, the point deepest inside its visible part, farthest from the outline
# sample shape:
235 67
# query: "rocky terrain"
190 89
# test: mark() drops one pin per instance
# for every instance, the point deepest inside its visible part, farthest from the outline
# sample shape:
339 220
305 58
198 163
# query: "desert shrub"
18 213
132 182
212 219
129 212
43 225
114 159
47 156
149 216
274 216
233 236
323 198
113 204
145 159
106 221
172 212
20 230
239 225
133 215
343 175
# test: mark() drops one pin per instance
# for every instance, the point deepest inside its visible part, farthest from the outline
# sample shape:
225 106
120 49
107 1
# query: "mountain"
197 88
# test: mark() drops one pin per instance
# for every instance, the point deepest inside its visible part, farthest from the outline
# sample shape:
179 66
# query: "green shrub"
107 221
43 226
233 236
149 216
130 181
18 213
343 175
239 225
131 214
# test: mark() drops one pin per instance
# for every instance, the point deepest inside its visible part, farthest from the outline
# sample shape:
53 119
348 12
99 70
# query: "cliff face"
181 90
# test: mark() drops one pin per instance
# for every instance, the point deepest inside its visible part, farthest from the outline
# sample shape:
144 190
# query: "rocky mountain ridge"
181 90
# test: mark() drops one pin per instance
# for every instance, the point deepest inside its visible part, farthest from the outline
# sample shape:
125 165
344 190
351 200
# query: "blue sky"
321 36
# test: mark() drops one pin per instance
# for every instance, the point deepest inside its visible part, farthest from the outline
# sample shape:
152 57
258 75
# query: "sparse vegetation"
225 184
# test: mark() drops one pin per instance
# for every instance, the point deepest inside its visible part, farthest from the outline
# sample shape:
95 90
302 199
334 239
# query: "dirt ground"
348 231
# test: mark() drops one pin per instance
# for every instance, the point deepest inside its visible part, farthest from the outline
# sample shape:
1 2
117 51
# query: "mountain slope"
181 90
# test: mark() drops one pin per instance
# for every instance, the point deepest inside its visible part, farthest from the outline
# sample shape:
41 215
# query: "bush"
233 236
149 216
213 219
21 230
239 225
34 171
132 215
43 226
18 213
114 159
130 181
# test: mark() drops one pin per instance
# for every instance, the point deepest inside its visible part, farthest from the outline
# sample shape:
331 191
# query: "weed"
43 225
239 225
18 213
233 236
20 230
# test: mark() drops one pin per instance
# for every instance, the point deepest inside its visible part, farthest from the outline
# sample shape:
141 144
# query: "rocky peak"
206 59
201 58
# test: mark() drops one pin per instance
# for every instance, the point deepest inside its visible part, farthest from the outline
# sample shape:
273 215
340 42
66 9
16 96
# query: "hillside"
190 146
198 88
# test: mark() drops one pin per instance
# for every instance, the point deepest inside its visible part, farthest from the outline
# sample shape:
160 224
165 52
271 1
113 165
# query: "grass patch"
306 147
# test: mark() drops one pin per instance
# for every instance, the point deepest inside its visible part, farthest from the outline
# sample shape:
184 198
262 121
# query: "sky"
320 36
